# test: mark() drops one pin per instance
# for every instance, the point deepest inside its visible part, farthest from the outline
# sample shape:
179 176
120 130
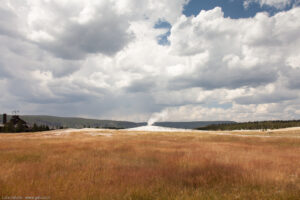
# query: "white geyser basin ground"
157 129
287 132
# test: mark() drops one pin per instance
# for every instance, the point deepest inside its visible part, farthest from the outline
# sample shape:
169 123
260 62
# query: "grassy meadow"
145 166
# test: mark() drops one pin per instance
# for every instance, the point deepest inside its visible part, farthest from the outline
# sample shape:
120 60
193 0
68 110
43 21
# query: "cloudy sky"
135 59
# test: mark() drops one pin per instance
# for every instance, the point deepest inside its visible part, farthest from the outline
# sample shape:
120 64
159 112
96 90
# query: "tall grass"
157 166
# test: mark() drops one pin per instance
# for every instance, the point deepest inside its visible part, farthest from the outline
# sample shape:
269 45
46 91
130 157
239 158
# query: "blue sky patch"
231 8
163 39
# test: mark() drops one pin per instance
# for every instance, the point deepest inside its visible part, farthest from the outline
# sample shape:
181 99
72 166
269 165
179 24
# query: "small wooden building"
15 120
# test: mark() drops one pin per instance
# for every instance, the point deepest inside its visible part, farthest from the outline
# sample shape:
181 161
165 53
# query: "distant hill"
73 122
191 125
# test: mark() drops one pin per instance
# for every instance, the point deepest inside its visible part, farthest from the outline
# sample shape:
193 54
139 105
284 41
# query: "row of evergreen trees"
20 127
263 125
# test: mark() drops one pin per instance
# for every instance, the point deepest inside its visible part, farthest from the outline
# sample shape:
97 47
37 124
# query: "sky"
162 60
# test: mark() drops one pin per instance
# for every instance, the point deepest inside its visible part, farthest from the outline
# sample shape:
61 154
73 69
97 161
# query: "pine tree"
20 127
35 127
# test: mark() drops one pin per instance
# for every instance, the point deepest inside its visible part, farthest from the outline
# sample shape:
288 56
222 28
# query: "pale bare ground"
287 132
122 164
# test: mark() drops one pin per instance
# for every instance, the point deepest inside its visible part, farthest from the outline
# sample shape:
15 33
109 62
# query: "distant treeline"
190 125
19 128
73 122
253 125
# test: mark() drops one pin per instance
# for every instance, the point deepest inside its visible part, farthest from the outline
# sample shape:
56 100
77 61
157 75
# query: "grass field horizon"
116 164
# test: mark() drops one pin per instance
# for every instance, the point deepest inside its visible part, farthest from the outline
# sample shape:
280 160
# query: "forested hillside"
191 125
253 125
73 122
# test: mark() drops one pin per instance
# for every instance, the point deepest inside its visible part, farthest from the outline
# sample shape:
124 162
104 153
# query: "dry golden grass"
149 166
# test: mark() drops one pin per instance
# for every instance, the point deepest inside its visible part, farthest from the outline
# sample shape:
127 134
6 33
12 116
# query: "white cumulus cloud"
102 59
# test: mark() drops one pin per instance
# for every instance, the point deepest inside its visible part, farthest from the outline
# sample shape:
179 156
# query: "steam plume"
156 117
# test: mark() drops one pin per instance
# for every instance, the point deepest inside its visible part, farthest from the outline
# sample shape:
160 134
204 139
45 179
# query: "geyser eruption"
151 121
156 117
